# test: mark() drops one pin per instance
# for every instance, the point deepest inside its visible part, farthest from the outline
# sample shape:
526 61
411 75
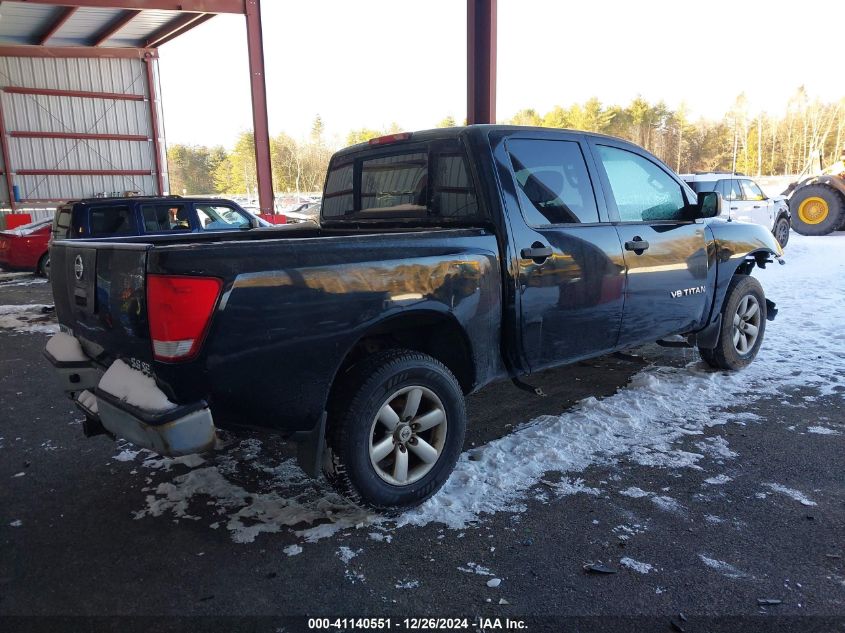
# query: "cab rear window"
424 182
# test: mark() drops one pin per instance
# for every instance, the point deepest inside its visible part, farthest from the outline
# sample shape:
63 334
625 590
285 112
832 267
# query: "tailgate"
99 291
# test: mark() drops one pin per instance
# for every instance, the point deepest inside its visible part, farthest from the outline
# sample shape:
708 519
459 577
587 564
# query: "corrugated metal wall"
72 114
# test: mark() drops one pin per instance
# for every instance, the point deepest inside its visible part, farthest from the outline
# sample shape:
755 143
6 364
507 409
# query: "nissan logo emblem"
78 268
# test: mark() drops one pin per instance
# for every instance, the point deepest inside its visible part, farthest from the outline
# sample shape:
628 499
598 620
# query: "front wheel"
743 325
396 429
44 265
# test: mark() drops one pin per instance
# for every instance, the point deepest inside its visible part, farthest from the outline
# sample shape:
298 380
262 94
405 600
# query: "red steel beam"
157 40
114 27
255 46
83 172
64 15
7 166
76 52
151 87
184 6
85 94
481 61
170 28
80 135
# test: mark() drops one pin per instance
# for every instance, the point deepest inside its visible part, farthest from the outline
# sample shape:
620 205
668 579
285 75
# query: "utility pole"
759 144
733 163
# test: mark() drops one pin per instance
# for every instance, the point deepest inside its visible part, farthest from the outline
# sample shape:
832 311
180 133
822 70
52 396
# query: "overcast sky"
367 63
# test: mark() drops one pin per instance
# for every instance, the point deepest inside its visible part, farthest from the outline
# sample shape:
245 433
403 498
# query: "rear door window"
730 189
112 220
553 184
219 217
165 217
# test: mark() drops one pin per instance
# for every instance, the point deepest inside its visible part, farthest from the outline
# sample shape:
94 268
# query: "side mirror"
709 204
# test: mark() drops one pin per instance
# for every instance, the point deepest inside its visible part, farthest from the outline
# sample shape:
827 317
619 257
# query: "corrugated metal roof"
24 23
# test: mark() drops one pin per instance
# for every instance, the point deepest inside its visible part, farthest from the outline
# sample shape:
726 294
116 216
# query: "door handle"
638 245
756 206
538 252
734 208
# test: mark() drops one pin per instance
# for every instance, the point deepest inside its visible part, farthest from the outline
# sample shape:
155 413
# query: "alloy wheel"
408 435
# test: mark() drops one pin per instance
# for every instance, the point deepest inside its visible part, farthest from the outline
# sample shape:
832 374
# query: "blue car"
157 215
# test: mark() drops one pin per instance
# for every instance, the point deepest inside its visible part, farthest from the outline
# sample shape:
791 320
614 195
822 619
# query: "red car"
25 247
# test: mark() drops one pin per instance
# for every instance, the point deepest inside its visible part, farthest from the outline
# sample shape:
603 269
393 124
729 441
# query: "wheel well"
434 334
760 258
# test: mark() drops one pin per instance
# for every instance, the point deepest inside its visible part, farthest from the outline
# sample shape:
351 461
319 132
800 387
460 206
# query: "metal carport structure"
80 112
74 120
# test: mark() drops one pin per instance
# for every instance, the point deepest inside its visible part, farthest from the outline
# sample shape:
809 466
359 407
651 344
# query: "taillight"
179 310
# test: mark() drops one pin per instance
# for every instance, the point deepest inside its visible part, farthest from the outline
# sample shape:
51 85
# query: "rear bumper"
181 430
75 375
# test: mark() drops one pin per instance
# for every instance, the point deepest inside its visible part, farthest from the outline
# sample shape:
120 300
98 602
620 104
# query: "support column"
7 158
151 91
255 44
481 61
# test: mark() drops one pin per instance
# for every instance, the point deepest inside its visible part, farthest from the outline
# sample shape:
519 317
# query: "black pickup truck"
444 260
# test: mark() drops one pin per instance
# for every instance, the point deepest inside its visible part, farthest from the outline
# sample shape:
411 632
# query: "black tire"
362 393
726 354
832 219
43 268
781 231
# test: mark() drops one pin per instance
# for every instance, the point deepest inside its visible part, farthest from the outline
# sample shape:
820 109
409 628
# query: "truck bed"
293 302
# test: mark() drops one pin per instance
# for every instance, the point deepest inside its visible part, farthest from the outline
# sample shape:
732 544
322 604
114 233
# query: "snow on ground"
726 569
821 430
644 423
407 584
799 496
637 566
634 492
29 318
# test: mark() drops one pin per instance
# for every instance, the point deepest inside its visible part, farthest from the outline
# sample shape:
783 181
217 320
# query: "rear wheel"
44 265
816 210
743 325
781 231
396 429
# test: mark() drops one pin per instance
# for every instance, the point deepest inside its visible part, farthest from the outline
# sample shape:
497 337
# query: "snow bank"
65 348
134 387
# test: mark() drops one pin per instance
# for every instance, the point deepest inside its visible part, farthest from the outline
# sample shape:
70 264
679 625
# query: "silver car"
745 201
